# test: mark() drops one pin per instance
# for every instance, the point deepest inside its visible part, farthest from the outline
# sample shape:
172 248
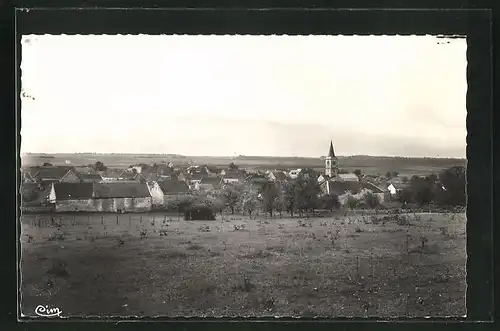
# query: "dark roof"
371 187
331 152
90 177
211 180
56 173
121 190
173 186
70 191
341 187
234 174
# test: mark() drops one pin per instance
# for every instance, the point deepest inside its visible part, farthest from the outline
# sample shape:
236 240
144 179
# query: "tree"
388 174
99 166
352 202
422 190
329 201
280 205
47 164
405 195
289 197
451 187
270 194
232 166
394 174
249 202
182 204
357 172
306 193
231 195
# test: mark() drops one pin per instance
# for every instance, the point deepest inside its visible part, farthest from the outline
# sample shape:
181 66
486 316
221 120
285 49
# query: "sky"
244 95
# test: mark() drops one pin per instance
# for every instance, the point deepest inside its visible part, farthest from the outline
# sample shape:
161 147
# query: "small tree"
388 174
357 172
249 202
231 195
270 194
352 202
330 201
232 166
289 197
394 174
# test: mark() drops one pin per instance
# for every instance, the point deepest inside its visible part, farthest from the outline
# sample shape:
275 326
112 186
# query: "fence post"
117 219
102 219
129 221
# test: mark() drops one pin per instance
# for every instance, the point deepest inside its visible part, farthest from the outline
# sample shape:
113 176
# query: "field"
150 265
367 164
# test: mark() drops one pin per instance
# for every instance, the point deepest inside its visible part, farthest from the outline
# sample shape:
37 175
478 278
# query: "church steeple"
331 153
331 164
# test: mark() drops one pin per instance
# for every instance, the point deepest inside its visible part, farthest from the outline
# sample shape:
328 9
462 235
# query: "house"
164 169
194 179
208 184
156 193
69 197
233 176
138 168
90 177
110 175
350 188
53 174
173 190
293 174
348 177
122 197
133 176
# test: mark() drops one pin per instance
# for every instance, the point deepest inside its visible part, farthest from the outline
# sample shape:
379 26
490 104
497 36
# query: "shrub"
58 269
371 200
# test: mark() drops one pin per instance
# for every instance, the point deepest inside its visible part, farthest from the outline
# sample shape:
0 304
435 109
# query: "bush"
371 200
199 214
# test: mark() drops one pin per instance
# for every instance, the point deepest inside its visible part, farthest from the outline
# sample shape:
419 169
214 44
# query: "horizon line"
246 156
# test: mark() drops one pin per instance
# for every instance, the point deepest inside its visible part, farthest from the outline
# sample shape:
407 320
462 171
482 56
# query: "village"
165 187
160 186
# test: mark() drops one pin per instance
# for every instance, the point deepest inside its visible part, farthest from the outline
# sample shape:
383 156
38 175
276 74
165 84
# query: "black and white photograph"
243 176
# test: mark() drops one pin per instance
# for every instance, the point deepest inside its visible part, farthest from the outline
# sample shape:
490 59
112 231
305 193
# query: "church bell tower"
331 163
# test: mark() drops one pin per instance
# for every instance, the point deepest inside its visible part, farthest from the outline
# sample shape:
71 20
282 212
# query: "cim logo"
45 311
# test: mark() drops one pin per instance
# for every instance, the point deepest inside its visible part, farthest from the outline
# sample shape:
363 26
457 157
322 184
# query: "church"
332 169
345 184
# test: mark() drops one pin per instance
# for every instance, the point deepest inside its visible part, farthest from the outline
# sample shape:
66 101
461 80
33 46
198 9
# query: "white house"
157 196
392 189
293 174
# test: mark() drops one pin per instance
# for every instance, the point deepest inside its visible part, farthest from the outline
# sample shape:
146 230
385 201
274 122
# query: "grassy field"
150 265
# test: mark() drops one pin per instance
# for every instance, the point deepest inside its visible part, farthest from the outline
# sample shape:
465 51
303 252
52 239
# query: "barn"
69 197
122 197
100 197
